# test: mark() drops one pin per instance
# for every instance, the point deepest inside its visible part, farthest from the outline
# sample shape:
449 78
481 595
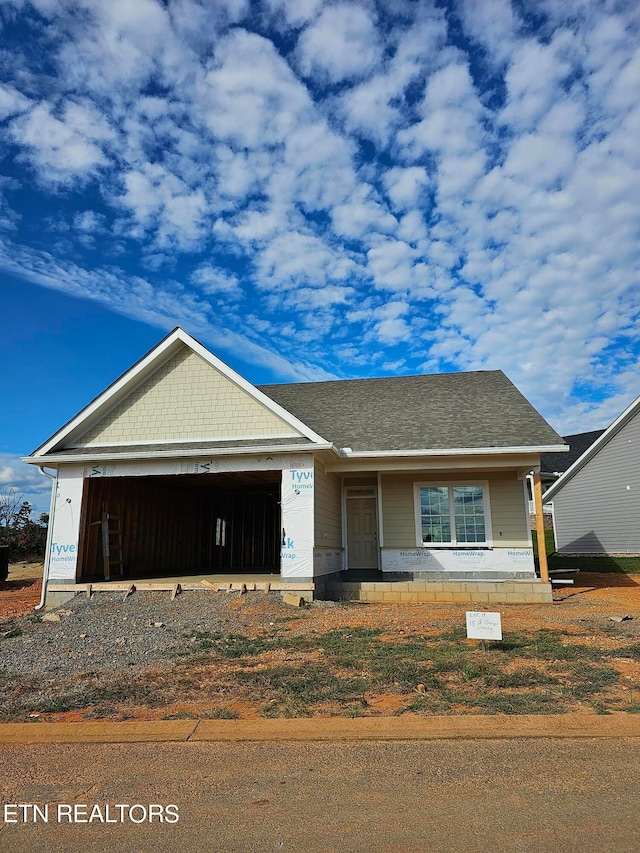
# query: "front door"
362 533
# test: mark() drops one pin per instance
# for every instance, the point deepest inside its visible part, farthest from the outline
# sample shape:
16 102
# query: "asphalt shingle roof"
431 412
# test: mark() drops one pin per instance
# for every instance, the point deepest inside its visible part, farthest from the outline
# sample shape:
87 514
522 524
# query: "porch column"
542 549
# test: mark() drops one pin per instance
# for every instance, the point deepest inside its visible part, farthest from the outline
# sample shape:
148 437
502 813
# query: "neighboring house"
596 502
408 479
553 465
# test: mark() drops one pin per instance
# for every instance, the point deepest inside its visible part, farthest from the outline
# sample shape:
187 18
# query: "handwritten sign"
483 626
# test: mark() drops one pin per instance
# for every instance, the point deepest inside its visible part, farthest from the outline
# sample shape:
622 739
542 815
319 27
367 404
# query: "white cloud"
391 264
162 306
88 220
342 44
533 82
12 102
116 47
492 24
309 164
63 149
216 282
250 98
294 13
391 328
405 185
362 215
376 107
162 203
294 259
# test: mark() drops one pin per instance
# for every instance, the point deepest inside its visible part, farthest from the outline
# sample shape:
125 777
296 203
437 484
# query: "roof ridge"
364 379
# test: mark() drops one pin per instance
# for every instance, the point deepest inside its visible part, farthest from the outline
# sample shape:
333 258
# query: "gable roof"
482 410
606 436
135 376
474 412
558 463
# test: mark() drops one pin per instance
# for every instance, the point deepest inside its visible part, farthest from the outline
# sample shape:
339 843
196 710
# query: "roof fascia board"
454 451
591 451
421 463
155 357
175 454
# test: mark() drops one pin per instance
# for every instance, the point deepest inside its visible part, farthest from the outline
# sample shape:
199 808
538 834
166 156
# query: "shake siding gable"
185 399
595 512
327 509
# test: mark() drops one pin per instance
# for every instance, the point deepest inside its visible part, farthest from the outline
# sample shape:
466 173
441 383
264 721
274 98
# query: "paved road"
387 797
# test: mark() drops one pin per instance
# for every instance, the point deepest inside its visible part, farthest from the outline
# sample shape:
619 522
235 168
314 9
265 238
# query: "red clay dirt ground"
584 608
20 593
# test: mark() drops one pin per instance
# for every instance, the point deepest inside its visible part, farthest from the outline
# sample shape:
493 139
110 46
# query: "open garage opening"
172 525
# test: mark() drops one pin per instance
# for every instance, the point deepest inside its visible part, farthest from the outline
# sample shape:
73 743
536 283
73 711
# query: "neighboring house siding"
506 499
327 509
186 399
595 512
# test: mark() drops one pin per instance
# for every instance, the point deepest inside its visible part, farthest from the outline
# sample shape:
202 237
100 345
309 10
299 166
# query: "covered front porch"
438 530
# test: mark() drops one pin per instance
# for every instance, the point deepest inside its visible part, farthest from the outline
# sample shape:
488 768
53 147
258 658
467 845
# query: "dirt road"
406 797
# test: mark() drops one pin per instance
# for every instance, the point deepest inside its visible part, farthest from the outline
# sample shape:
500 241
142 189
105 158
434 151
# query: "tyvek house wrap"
296 553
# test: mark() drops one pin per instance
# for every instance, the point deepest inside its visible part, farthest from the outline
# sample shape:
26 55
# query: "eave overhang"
85 454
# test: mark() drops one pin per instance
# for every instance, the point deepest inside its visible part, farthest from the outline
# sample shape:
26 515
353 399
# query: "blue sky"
318 189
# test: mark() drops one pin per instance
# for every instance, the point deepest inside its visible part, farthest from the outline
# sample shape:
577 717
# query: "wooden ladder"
111 529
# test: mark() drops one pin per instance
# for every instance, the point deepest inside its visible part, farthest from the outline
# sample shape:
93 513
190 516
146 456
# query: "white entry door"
362 533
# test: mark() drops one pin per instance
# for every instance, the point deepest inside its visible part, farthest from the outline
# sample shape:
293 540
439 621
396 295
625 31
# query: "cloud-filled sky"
319 189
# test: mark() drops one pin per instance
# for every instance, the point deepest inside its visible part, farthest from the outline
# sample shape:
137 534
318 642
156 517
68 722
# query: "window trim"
449 484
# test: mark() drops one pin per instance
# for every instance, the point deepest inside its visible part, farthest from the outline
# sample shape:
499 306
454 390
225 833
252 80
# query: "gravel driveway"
105 632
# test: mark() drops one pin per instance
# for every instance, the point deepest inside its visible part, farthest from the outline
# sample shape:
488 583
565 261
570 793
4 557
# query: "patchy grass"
349 672
222 713
528 673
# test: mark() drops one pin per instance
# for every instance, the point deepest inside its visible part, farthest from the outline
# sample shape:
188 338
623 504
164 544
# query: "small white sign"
483 626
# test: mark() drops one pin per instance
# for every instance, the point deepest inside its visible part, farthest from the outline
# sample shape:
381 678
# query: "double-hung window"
452 514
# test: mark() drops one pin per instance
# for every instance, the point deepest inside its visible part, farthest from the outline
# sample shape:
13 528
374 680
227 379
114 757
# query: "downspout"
47 553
